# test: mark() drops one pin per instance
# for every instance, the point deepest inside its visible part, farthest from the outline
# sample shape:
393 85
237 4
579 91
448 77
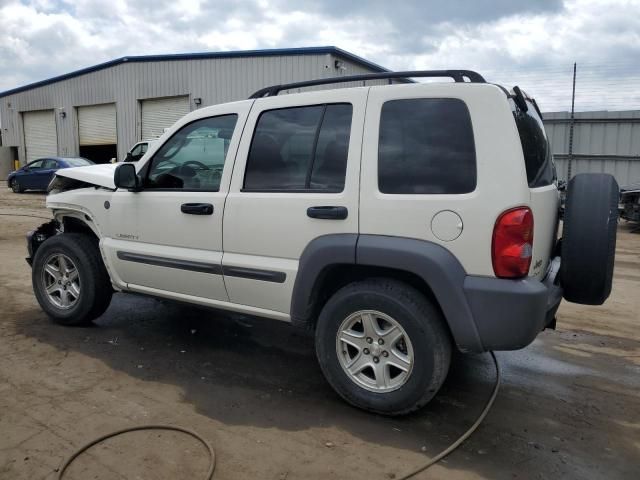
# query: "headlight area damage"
66 224
37 237
61 184
95 176
100 175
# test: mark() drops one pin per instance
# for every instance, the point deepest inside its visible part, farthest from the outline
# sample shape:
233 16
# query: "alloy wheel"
374 351
61 281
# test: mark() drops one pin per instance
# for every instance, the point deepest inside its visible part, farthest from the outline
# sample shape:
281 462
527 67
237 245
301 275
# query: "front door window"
193 159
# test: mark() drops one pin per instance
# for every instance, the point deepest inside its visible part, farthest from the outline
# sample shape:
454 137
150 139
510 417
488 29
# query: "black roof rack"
457 75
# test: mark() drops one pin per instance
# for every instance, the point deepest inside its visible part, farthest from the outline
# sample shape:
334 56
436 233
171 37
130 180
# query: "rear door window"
300 149
535 147
426 146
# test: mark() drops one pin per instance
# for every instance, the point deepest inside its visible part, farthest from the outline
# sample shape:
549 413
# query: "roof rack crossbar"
457 75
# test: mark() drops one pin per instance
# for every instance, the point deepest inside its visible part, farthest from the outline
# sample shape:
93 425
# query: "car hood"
100 175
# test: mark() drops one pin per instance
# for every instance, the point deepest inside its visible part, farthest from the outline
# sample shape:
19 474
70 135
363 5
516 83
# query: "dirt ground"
569 405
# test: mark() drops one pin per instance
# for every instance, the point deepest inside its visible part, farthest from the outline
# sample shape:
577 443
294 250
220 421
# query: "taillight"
512 243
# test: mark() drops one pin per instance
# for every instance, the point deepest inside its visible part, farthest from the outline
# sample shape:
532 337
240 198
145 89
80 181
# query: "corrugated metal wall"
214 80
606 142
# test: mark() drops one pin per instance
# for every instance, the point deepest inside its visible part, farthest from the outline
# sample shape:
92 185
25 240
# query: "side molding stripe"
171 263
241 272
255 274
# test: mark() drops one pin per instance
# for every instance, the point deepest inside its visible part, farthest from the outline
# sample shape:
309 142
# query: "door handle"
197 208
328 212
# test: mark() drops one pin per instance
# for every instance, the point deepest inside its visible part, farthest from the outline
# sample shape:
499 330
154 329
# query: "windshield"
535 147
78 162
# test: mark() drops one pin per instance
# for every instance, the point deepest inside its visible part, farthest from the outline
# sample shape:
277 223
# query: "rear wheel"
589 238
15 186
383 346
69 279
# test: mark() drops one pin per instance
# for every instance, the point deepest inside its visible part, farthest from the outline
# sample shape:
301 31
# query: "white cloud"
532 44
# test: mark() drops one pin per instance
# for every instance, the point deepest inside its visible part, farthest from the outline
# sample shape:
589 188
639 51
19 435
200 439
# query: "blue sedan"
37 174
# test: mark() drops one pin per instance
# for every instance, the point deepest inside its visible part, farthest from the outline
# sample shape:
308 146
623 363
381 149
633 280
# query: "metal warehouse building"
603 142
101 111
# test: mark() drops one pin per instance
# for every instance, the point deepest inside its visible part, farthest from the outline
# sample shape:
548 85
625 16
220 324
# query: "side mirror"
125 177
129 157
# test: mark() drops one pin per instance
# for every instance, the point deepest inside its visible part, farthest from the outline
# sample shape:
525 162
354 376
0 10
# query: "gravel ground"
569 404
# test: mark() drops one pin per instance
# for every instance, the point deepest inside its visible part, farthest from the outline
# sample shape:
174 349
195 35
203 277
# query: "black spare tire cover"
589 238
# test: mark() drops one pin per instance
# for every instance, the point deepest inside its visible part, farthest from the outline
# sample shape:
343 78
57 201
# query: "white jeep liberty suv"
397 222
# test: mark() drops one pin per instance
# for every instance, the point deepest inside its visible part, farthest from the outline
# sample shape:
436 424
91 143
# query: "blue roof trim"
200 56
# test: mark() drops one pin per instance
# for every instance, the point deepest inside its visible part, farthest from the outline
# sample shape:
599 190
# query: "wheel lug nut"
376 359
385 354
369 340
365 351
380 341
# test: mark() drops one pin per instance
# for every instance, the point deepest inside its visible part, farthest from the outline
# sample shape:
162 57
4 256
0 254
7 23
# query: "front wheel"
69 279
15 186
383 346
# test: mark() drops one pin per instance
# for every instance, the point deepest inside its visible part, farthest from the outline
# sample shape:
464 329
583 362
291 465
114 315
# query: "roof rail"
457 75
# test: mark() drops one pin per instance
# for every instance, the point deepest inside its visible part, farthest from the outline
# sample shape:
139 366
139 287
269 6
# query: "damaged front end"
61 184
70 214
37 237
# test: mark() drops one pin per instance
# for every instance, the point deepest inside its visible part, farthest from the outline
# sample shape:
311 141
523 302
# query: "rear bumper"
509 314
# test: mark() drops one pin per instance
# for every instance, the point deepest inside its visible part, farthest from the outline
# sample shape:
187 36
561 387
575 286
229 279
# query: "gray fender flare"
438 267
319 255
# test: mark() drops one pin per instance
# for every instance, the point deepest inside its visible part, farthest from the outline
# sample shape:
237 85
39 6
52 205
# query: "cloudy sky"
530 43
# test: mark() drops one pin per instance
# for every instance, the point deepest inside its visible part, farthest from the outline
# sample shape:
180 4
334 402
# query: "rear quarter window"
535 147
426 146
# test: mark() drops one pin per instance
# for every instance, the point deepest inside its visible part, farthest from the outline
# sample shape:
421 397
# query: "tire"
421 322
589 238
92 284
16 187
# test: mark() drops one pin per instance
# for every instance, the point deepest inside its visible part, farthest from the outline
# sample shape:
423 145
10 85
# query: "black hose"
212 455
466 434
87 446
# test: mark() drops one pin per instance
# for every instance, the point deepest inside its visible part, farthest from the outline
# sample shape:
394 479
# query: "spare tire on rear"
589 238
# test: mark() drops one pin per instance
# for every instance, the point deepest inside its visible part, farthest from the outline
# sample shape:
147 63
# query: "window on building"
301 148
193 158
426 146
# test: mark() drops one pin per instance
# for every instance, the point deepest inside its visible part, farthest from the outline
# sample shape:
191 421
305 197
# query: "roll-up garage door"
97 132
161 113
97 125
40 137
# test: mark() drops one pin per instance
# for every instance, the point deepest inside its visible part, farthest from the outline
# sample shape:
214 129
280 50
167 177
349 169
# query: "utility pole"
571 122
